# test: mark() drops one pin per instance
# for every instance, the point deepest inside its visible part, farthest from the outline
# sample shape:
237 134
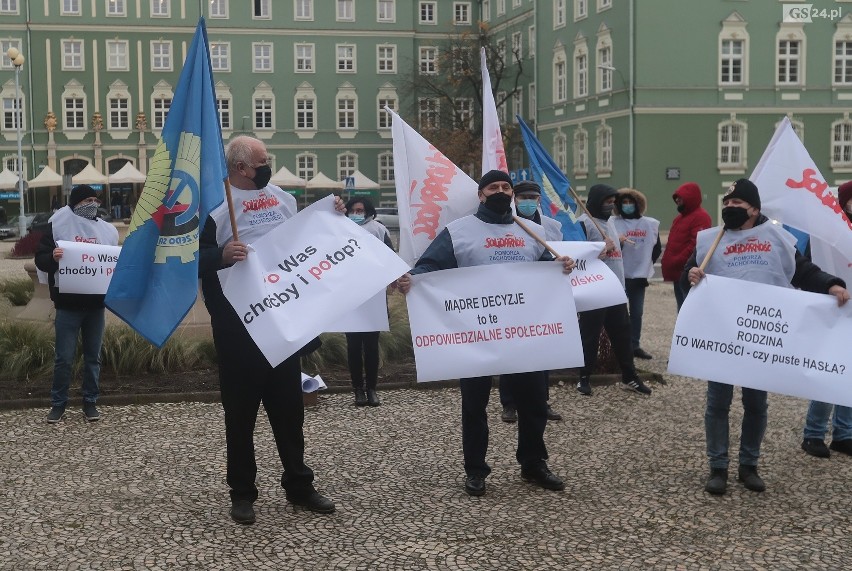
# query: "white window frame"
386 172
603 57
345 10
306 166
500 101
531 46
9 7
428 113
517 100
263 109
533 102
428 62
581 9
12 112
841 63
348 62
116 115
733 32
221 59
560 77
161 102
265 10
518 46
346 109
560 151
382 59
262 62
303 10
604 5
386 11
217 8
73 55
463 113
117 60
387 96
304 55
74 111
115 8
581 152
501 7
581 70
603 150
427 13
70 10
841 145
728 149
306 112
560 9
5 45
224 107
785 61
486 10
161 8
347 164
462 13
161 61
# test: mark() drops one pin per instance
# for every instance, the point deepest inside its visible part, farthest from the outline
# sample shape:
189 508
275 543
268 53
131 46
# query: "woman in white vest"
639 236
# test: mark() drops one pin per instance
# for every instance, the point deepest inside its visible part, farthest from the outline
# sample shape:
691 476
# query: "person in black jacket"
81 314
779 265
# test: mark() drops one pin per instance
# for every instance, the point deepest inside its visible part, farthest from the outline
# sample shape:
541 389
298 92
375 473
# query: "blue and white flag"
156 278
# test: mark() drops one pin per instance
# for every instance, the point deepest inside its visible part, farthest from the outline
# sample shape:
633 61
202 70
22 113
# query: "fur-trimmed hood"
641 201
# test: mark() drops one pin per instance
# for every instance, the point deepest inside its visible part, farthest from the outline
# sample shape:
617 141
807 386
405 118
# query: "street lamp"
629 88
18 60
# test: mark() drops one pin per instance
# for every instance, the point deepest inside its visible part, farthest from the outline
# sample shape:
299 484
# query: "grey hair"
238 151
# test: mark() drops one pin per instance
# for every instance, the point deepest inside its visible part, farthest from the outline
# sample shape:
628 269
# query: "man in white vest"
81 314
755 249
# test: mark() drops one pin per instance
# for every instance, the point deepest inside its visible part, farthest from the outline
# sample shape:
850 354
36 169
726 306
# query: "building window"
428 12
223 109
304 58
346 58
345 10
119 113
428 61
560 151
581 9
604 5
385 118
75 112
346 112
8 6
263 58
560 79
12 111
517 104
841 144
516 3
732 146
500 49
581 152
5 45
218 8
72 54
559 10
501 7
532 102
304 10
263 112
486 10
262 10
386 168
386 59
116 8
386 11
347 164
161 56
531 41
789 53
306 166
220 56
428 113
603 60
305 113
70 8
464 113
461 13
160 110
116 55
517 46
604 150
161 8
732 62
843 63
581 74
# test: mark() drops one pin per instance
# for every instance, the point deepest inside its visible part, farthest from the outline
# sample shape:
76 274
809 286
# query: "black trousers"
616 321
528 392
506 400
245 381
364 344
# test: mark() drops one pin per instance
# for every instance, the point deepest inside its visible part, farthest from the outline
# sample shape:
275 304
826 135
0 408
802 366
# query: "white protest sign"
84 267
301 276
594 284
765 337
371 315
493 319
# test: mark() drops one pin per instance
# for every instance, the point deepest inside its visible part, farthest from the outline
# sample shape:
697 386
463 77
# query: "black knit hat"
494 176
527 186
745 190
79 193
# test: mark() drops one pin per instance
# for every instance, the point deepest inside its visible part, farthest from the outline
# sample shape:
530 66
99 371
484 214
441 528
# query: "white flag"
431 191
493 153
793 191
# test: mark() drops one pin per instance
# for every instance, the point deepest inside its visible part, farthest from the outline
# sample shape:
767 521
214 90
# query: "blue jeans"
816 424
68 323
635 289
719 397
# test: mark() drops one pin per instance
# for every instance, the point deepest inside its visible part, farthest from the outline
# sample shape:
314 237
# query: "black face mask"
681 208
734 217
606 211
499 202
261 177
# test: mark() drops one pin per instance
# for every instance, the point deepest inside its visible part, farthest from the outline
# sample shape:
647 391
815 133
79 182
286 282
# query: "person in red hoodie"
691 220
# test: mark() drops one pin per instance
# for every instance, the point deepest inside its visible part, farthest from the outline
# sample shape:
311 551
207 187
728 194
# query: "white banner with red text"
765 337
301 276
84 267
372 315
493 319
593 283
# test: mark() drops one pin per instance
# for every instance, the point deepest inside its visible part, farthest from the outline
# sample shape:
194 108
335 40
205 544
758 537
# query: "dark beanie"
494 176
527 186
745 190
844 193
79 193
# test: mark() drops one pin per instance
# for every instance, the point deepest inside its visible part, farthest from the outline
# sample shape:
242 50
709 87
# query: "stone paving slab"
144 488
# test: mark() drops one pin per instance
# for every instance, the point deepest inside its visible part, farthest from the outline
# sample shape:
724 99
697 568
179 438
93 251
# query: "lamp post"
18 60
629 88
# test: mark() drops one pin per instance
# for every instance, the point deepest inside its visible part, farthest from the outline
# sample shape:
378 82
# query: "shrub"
18 291
26 246
26 350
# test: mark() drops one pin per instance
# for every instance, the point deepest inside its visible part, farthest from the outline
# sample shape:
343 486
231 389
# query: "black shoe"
816 447
360 397
748 476
474 485
640 353
552 414
843 446
55 415
583 386
717 482
544 478
509 414
91 412
373 398
314 502
636 384
242 512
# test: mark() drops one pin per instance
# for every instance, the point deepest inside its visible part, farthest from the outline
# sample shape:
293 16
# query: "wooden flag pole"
712 248
231 210
582 205
536 236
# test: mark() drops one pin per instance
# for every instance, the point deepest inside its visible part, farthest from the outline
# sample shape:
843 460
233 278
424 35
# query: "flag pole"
712 248
536 236
582 205
231 210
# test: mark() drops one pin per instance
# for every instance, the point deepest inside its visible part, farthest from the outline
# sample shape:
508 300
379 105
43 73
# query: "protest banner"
765 337
288 290
493 152
371 315
493 319
593 283
85 268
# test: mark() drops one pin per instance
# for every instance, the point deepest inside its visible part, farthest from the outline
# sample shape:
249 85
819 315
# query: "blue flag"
556 201
156 278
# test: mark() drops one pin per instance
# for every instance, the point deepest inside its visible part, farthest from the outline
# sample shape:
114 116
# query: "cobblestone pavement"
144 488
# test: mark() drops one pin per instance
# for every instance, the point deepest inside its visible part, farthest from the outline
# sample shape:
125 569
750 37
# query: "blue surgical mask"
526 207
628 208
357 218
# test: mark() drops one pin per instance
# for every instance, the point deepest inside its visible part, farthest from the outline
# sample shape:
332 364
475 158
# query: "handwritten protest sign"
493 319
84 267
593 283
301 276
765 337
